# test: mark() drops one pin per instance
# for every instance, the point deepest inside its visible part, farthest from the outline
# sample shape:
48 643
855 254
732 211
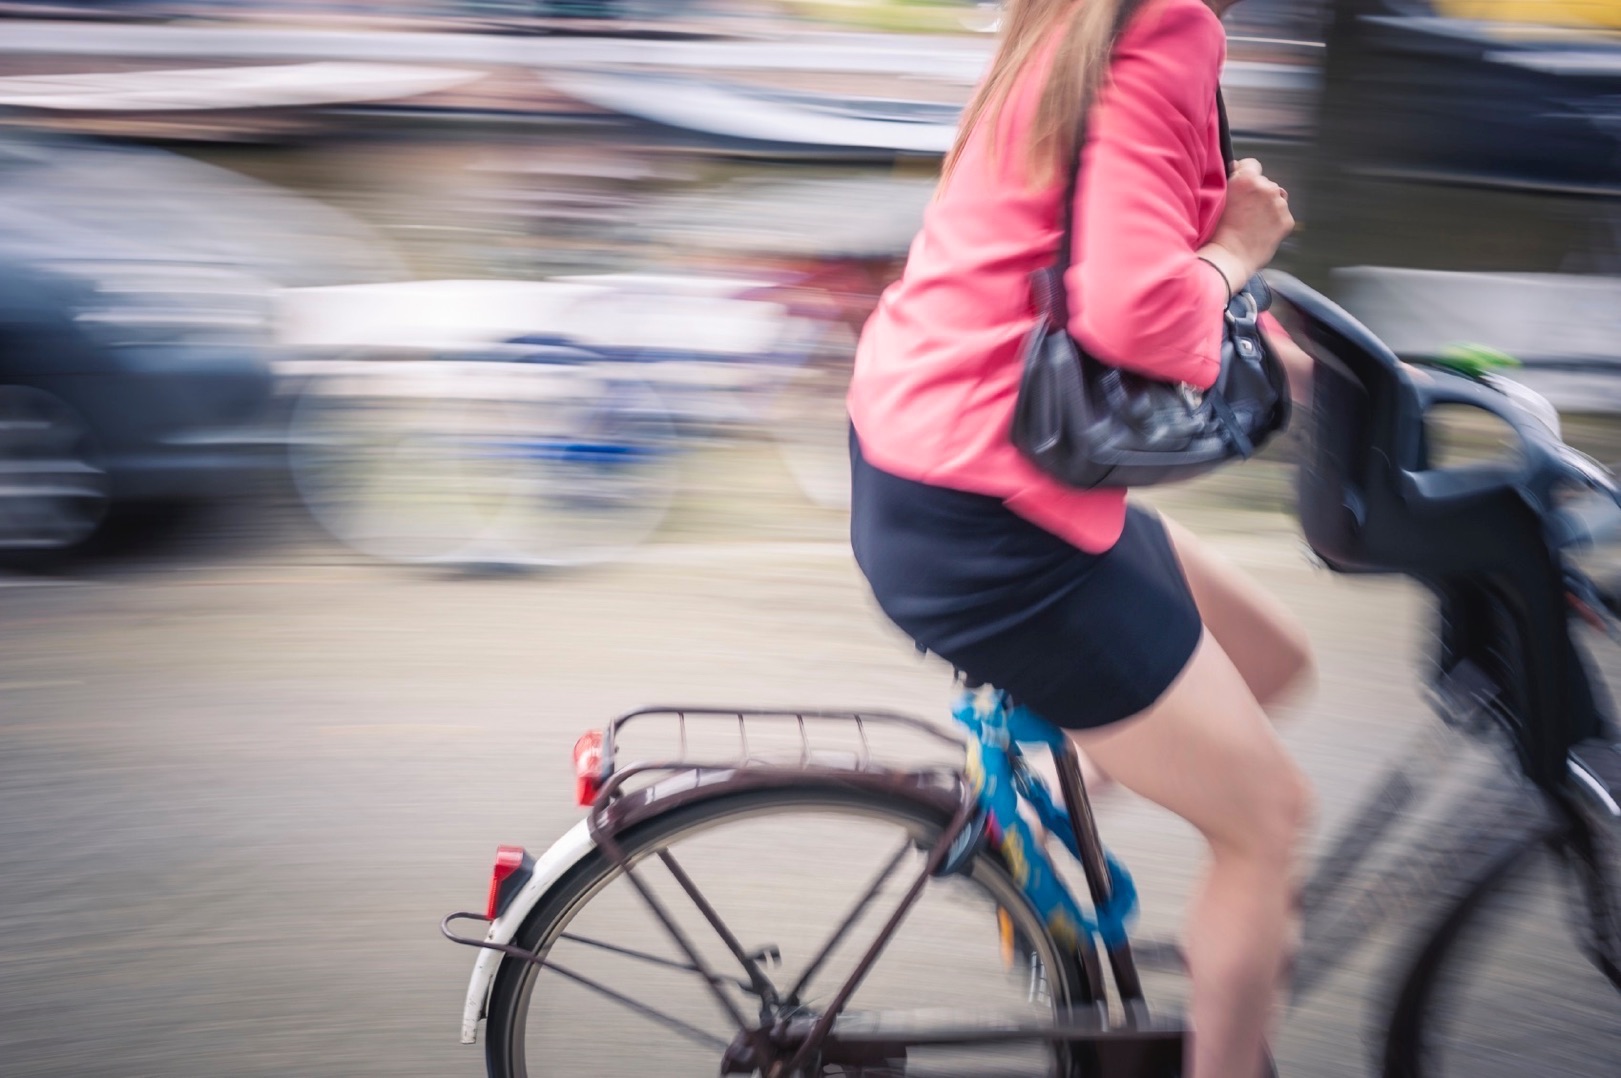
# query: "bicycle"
1371 501
561 448
553 457
551 449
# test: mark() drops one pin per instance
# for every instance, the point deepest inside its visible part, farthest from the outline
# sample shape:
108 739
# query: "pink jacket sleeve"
1139 297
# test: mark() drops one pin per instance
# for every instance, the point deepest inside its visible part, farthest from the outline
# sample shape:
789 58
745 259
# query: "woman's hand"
1254 223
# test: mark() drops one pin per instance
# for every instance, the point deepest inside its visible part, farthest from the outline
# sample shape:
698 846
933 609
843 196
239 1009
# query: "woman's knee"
1207 752
1271 823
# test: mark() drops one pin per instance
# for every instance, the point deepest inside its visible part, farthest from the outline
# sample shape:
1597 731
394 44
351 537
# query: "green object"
1473 360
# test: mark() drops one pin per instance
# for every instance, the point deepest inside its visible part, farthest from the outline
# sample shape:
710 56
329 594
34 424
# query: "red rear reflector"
508 859
588 767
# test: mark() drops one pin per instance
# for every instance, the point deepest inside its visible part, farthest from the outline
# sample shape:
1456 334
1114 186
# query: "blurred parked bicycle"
560 446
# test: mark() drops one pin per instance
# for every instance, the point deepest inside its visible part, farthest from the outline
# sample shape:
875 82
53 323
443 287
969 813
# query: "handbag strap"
1048 283
1228 158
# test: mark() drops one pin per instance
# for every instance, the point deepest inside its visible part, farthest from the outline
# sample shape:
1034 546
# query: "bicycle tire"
444 475
355 457
1496 990
807 417
602 499
508 1007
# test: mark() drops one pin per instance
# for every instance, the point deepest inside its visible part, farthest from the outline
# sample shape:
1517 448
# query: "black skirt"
1081 639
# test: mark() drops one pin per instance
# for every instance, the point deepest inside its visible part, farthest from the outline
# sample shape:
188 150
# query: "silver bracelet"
1219 273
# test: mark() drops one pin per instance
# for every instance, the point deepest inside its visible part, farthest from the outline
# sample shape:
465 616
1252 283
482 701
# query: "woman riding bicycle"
1153 653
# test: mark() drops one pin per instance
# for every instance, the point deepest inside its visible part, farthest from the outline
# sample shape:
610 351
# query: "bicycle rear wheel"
1521 976
782 867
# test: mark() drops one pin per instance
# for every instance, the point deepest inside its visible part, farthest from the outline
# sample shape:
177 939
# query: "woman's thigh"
1264 641
1207 752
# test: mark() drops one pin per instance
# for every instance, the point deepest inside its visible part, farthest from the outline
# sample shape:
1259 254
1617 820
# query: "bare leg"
1263 639
1207 752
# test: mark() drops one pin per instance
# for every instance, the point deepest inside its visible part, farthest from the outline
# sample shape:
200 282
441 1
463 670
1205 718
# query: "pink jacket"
938 365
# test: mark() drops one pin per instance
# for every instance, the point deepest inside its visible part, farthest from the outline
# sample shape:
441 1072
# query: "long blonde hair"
1078 70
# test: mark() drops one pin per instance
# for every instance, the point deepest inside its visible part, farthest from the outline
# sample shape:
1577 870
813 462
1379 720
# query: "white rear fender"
563 855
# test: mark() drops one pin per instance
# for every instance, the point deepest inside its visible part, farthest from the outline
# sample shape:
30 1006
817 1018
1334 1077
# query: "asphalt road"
243 774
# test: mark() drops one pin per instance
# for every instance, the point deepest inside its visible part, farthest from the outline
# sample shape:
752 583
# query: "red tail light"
513 866
588 767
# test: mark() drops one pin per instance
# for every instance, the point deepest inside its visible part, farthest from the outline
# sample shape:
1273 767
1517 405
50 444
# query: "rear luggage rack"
776 740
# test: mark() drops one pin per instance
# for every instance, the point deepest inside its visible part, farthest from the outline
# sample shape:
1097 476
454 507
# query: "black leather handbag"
1090 424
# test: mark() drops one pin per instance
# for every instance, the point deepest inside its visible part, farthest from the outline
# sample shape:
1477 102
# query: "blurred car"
544 11
1461 89
135 304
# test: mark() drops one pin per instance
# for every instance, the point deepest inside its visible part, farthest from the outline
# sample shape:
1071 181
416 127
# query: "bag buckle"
1251 314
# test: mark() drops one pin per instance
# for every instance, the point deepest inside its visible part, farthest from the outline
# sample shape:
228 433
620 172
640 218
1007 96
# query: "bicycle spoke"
712 980
762 984
931 865
849 921
668 963
648 946
691 1032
